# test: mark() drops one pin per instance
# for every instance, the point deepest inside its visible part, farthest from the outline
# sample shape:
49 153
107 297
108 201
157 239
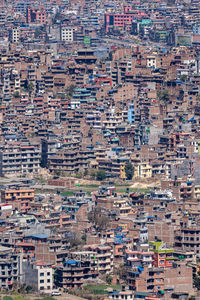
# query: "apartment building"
19 197
23 159
104 257
70 161
187 239
67 34
162 257
36 15
14 35
74 272
39 276
10 268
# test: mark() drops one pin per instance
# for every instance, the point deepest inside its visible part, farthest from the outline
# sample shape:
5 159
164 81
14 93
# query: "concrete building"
67 34
14 35
39 276
10 268
19 197
24 159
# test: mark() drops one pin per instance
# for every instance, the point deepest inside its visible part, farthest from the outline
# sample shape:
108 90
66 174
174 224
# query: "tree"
93 174
108 279
129 170
30 88
101 175
70 90
163 96
16 94
197 282
121 272
28 289
98 219
183 77
38 31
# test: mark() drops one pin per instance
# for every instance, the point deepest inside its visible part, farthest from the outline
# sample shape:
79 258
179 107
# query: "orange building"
20 198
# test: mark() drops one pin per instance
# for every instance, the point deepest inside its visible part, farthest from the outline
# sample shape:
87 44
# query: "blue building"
131 113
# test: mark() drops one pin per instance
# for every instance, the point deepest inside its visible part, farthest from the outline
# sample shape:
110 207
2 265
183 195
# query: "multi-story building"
14 35
67 34
24 159
73 273
187 239
36 15
118 20
162 257
19 197
38 276
10 268
104 257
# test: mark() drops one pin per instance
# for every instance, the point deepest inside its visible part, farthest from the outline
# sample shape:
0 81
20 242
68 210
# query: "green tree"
93 174
121 272
163 96
28 289
70 90
197 282
183 77
108 279
30 88
101 175
38 31
16 94
129 170
98 219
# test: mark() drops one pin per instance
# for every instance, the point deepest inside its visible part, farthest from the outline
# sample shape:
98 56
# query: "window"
41 274
42 288
48 273
42 281
48 280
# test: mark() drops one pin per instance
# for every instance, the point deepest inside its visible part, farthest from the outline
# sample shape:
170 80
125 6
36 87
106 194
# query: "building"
19 197
73 273
10 268
118 20
36 15
39 276
162 257
14 35
24 159
67 34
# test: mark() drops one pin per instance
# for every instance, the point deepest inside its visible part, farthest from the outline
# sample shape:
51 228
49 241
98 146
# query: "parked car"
55 293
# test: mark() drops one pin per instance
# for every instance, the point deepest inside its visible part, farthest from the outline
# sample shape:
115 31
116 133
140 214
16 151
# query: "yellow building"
197 191
122 171
143 170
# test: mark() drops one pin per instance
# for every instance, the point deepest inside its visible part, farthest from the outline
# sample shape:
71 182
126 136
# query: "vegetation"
197 281
163 96
101 175
129 170
7 298
30 88
98 219
183 78
16 94
20 297
70 90
108 279
100 289
67 194
121 272
38 31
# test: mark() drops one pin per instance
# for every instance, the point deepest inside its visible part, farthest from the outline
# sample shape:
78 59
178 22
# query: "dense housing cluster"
100 148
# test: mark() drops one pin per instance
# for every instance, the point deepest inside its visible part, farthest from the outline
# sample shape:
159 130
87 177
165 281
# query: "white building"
67 34
14 35
39 276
